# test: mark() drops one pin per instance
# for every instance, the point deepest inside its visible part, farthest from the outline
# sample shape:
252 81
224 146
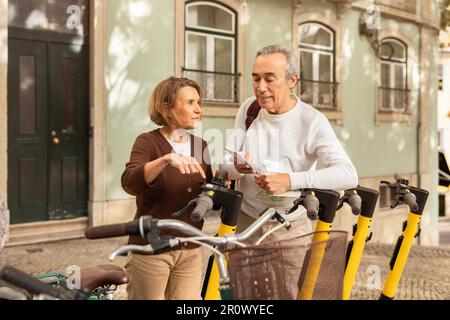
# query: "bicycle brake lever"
122 251
191 204
146 250
282 218
340 203
396 203
295 206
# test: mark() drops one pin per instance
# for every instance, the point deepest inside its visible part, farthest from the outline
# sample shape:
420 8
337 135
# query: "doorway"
48 112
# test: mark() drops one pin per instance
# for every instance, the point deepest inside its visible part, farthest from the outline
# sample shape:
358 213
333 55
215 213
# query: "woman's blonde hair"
162 100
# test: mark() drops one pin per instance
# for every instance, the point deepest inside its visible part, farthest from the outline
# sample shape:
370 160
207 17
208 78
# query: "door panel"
68 128
27 130
48 107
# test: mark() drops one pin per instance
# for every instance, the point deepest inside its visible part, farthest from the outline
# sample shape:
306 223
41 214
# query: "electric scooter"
416 199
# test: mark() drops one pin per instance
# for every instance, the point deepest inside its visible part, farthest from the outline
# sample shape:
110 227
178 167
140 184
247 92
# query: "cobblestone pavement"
426 275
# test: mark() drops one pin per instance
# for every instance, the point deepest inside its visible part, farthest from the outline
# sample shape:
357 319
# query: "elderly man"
282 139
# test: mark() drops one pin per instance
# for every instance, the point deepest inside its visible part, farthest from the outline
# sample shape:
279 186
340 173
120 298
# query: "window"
210 50
317 65
394 85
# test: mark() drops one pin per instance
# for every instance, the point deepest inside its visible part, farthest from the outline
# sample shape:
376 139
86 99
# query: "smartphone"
240 158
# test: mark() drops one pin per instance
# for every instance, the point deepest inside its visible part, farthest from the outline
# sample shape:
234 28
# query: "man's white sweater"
299 138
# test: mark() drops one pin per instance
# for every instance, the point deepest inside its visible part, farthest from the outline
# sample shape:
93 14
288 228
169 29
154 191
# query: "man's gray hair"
288 53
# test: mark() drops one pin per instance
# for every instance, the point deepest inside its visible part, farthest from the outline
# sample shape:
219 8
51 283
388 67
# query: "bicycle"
35 289
96 283
231 284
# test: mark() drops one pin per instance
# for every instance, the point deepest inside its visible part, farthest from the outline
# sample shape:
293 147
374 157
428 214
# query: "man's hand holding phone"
242 162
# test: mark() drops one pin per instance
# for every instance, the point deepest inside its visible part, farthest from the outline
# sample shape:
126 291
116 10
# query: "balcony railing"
216 86
394 100
319 94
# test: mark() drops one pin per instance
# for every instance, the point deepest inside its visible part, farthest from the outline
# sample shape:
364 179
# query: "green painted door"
27 130
68 130
48 124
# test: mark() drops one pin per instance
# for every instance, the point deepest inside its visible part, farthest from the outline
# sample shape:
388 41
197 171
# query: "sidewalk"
426 275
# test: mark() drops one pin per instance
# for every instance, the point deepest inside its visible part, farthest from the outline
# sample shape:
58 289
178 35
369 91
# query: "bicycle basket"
314 262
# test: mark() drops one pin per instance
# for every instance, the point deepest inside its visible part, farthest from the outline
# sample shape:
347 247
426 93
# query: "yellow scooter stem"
328 200
401 253
356 250
318 246
356 246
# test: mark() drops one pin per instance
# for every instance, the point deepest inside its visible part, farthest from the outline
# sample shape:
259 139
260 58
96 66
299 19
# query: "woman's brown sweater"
171 190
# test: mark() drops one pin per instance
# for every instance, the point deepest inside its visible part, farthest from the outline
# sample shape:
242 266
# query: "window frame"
193 3
316 56
210 62
316 46
316 51
216 109
391 114
211 34
330 20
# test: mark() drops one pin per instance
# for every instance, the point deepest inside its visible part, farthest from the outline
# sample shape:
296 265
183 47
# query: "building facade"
369 66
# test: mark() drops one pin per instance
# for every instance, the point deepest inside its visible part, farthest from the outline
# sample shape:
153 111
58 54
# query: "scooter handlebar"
311 204
355 203
410 199
204 204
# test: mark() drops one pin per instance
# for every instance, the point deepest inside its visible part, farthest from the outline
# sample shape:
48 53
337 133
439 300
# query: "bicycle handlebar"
148 223
20 279
137 227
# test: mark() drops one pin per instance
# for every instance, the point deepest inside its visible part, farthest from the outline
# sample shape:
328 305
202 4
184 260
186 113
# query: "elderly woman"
165 171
